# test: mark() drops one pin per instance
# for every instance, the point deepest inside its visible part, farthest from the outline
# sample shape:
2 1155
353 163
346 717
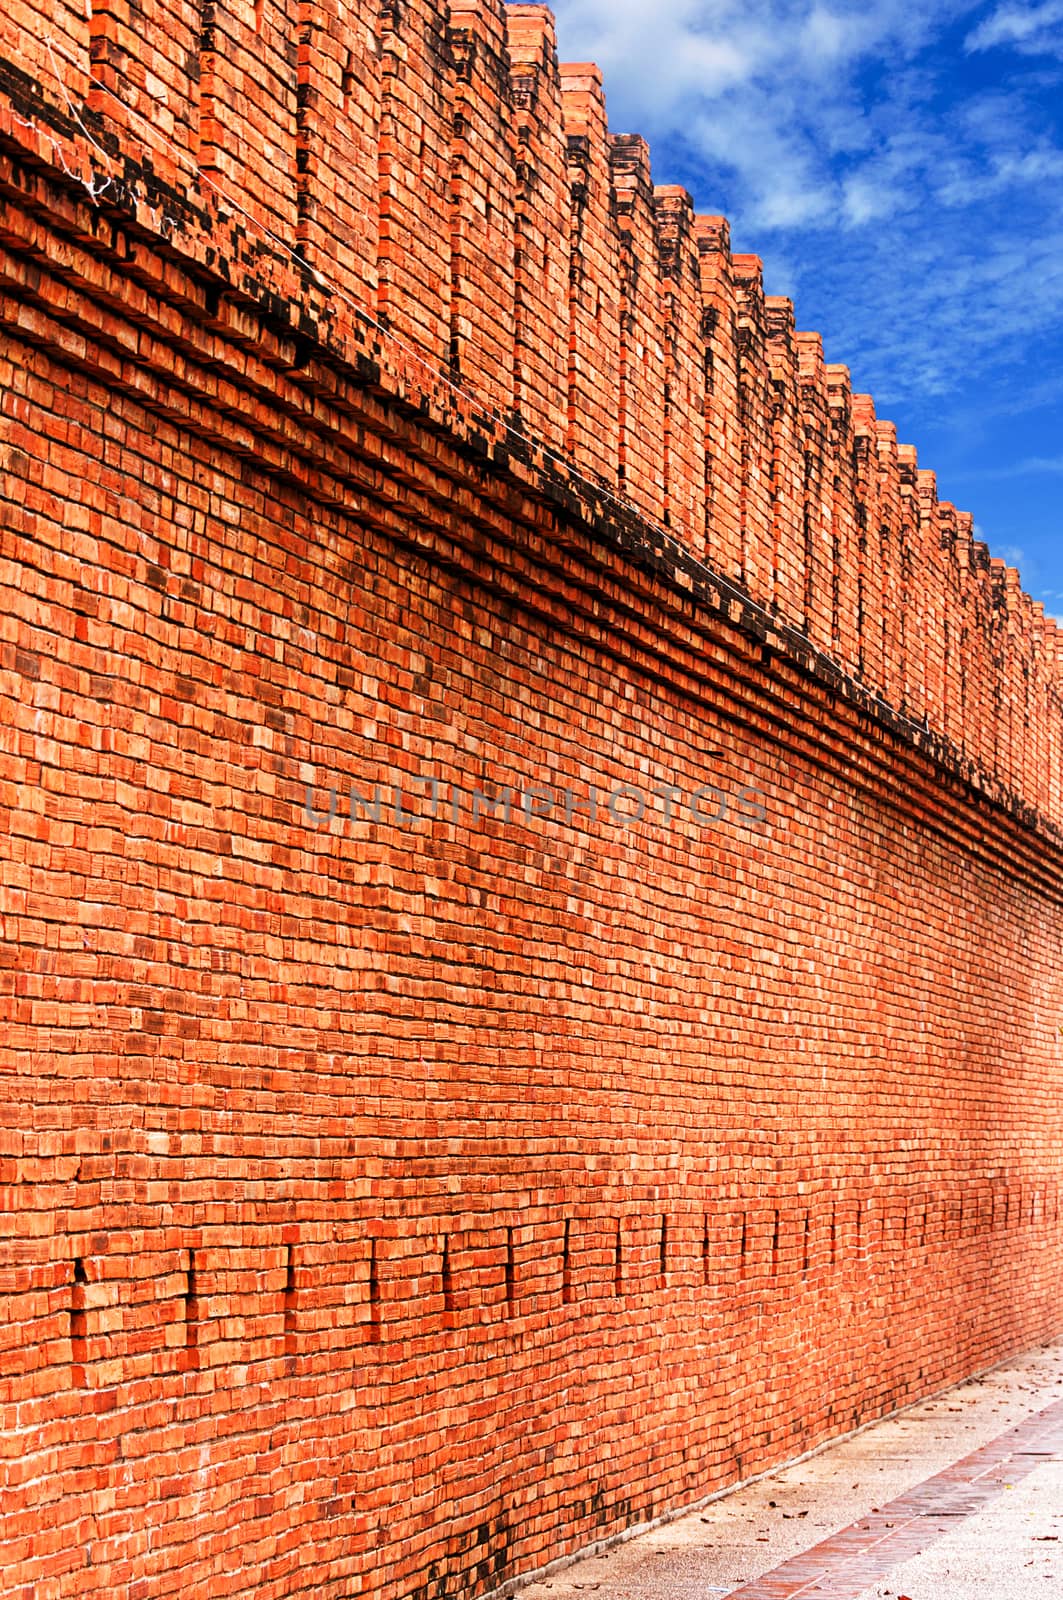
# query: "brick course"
395 1202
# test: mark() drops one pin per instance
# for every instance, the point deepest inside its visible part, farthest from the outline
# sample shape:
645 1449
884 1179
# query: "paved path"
959 1498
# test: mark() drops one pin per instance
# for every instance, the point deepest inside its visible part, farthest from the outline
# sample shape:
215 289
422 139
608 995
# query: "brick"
397 1197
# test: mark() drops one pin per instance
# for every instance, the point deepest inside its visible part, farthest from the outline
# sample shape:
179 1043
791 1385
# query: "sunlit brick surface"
396 1202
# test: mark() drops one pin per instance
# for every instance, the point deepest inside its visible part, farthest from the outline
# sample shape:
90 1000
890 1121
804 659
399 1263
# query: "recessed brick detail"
531 953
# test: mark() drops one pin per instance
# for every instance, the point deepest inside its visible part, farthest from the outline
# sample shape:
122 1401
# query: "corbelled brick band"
531 894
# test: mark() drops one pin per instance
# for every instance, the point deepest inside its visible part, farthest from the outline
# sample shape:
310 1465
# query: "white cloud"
763 89
1033 30
819 127
1032 466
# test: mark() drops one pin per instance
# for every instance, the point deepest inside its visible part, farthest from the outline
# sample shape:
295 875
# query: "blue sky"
899 167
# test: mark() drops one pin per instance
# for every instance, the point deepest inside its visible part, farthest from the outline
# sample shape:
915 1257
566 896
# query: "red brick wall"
392 1206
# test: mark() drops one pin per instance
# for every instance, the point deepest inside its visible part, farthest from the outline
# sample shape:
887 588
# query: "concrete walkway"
959 1497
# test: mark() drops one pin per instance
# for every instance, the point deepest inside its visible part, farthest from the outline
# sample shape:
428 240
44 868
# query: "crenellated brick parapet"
428 189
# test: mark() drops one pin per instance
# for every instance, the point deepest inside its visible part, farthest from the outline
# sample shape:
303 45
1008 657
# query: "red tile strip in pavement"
843 1566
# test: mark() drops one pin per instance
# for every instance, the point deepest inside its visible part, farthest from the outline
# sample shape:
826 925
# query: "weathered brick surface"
338 147
641 393
395 1201
683 440
723 435
542 247
755 427
483 185
787 467
414 175
821 573
595 285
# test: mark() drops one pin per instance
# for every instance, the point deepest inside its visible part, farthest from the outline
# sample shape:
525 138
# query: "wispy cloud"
763 89
1033 30
1032 466
820 128
900 170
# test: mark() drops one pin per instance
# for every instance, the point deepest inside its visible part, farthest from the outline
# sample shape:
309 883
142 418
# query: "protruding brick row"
756 444
1019 680
1026 744
1010 718
593 435
640 396
67 25
1054 654
973 649
820 573
1054 678
413 174
968 667
483 196
788 468
723 449
1001 699
1039 758
891 563
846 623
1047 630
338 140
541 222
248 83
981 588
915 641
1021 608
982 708
867 486
930 567
948 536
954 556
145 63
684 356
